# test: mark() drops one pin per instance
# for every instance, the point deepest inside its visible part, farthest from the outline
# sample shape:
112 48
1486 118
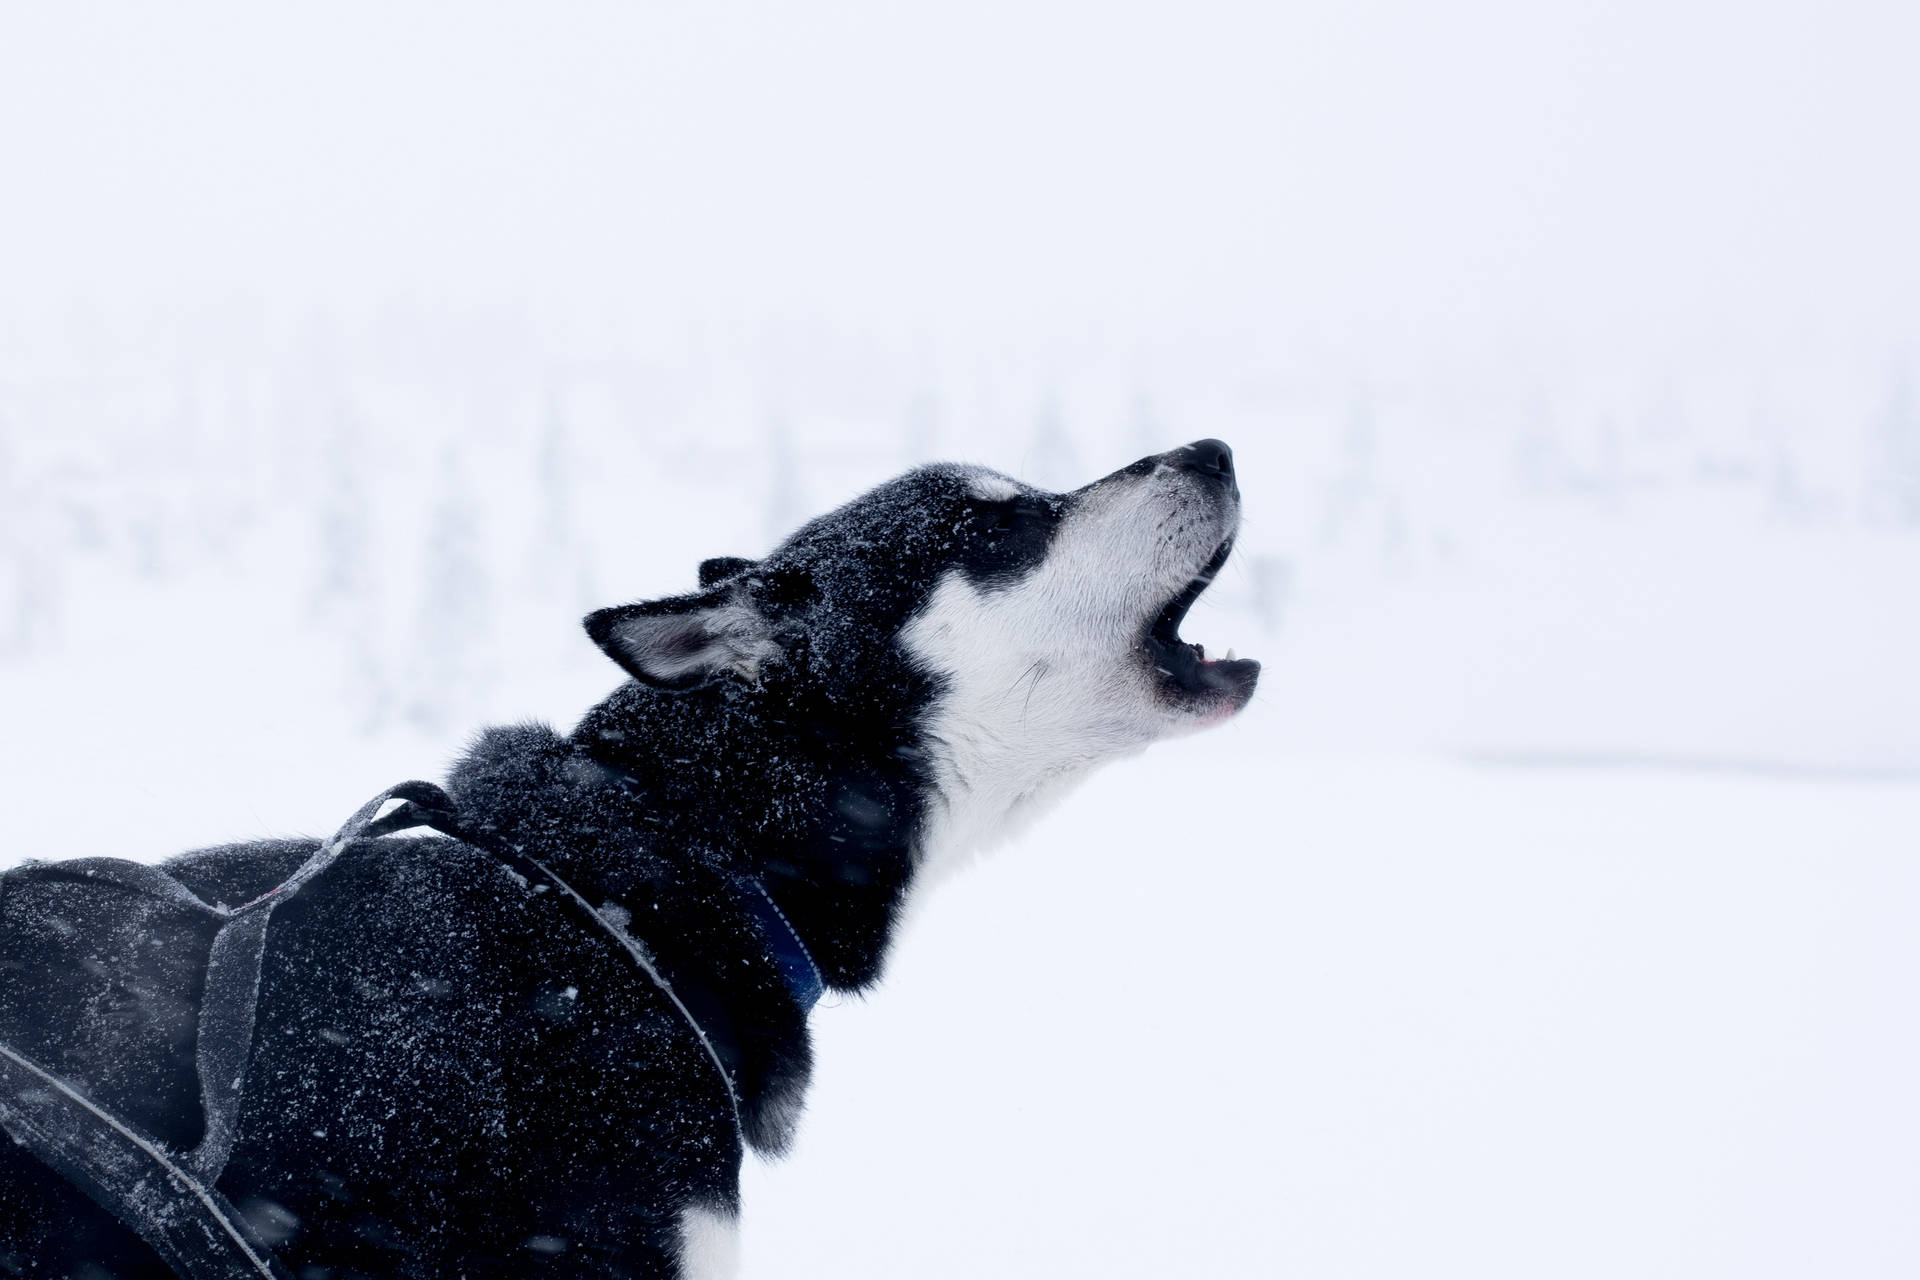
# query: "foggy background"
1571 357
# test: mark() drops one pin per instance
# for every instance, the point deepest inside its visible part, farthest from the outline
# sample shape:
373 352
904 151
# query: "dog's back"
444 1075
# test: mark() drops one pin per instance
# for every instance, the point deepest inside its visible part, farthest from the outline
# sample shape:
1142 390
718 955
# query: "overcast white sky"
1612 181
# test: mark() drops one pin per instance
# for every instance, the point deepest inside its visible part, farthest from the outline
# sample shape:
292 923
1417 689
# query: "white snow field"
1235 1012
1238 1007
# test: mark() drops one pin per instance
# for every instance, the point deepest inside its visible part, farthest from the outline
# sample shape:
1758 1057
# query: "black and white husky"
450 1075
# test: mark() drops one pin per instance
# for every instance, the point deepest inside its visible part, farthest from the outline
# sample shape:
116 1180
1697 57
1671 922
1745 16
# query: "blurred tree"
785 507
1893 482
1145 432
1609 459
558 558
15 617
31 567
340 517
920 432
454 601
1354 486
1051 459
1270 582
345 595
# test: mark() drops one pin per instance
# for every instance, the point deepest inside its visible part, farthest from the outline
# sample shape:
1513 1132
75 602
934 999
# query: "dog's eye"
1009 537
1019 514
1007 518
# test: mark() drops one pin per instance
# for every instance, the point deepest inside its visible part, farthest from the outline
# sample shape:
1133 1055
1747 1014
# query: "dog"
451 1072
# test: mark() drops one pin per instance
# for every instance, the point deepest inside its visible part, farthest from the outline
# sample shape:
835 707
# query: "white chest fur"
709 1245
1028 707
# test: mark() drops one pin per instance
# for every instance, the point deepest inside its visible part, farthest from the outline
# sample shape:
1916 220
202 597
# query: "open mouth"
1184 668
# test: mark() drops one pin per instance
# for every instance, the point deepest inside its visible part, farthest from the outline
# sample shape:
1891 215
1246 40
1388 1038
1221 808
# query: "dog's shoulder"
231 874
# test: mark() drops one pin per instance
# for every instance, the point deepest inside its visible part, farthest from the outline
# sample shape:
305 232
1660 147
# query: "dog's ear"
686 641
720 568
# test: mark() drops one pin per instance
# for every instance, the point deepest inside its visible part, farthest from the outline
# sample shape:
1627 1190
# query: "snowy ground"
1379 980
1397 1017
1391 1015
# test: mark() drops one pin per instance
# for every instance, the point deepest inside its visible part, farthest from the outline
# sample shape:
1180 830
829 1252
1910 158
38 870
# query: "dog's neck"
807 799
837 822
986 790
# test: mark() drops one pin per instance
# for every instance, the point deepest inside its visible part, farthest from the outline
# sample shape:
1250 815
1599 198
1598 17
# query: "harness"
170 1200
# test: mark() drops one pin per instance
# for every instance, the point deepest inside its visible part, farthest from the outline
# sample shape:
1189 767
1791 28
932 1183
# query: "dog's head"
1023 635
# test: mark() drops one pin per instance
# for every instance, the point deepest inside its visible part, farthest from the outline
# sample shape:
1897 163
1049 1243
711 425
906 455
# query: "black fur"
449 1075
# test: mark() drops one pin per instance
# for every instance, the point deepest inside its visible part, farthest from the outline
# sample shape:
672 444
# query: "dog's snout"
1210 458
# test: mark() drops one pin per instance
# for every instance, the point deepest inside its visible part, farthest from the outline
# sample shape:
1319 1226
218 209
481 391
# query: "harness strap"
179 1213
531 868
186 1221
232 992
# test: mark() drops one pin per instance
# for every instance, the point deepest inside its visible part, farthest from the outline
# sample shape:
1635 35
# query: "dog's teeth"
1229 657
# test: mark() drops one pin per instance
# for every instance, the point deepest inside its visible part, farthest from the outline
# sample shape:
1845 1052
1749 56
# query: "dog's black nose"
1208 457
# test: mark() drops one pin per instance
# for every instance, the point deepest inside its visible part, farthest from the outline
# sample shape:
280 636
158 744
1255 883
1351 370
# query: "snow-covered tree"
784 507
453 604
1354 486
558 558
1893 482
1145 432
1052 461
16 620
920 431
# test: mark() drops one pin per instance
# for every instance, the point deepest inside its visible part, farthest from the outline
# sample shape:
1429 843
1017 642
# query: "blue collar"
790 954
